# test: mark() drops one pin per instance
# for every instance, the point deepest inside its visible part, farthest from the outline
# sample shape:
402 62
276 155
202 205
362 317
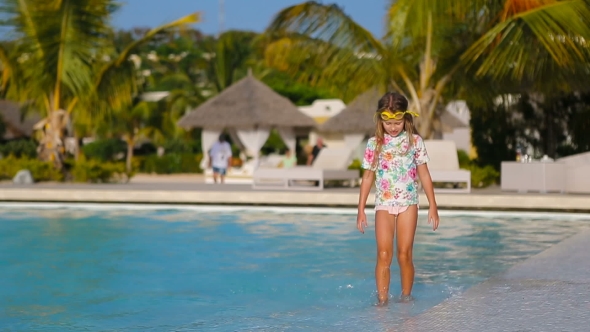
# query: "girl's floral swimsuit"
395 171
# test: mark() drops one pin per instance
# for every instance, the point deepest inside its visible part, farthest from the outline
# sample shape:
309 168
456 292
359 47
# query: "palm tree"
206 70
142 120
430 46
63 62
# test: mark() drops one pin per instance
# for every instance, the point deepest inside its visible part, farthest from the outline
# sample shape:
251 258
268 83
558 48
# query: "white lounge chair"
577 168
444 166
330 164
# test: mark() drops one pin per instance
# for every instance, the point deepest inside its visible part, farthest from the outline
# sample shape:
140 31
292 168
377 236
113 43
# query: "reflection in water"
75 269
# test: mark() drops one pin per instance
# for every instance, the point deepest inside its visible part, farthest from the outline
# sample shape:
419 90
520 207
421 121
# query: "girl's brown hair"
393 102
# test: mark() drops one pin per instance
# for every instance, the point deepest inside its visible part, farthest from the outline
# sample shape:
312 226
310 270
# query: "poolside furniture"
577 169
534 176
330 164
270 161
444 166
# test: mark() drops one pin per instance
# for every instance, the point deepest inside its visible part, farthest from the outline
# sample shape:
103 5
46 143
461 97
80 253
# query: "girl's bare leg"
384 233
406 229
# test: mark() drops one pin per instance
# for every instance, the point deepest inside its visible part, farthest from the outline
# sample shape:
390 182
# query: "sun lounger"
444 166
577 168
330 164
536 176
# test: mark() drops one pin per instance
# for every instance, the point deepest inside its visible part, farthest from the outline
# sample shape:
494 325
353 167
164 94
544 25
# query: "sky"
252 15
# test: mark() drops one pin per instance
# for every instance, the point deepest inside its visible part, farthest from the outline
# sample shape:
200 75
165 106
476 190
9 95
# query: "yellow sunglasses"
388 115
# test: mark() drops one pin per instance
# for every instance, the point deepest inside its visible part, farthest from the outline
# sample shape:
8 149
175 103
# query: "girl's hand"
433 217
361 221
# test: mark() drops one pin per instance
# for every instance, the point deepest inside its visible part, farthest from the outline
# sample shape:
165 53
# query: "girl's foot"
381 304
406 298
382 301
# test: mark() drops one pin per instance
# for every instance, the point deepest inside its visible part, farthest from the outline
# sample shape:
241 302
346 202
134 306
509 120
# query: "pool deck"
547 292
191 189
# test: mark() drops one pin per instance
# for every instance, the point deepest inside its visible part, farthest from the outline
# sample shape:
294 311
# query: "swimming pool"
143 268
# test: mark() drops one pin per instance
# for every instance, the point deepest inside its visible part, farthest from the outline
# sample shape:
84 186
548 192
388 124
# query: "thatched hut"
357 117
356 121
16 125
352 125
248 110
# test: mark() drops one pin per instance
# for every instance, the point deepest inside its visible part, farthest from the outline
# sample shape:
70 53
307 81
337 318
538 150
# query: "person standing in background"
220 158
315 151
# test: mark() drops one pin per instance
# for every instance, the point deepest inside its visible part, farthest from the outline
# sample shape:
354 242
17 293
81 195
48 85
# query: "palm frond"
554 33
407 20
116 83
322 65
328 23
69 33
322 46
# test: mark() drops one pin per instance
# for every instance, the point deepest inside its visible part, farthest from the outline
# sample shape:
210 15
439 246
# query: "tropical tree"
142 120
433 48
231 55
63 62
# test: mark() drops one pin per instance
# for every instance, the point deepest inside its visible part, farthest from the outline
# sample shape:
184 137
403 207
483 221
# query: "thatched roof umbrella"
246 104
18 126
248 109
357 117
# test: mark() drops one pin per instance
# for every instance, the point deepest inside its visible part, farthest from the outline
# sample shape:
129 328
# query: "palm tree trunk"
425 123
78 151
51 146
128 162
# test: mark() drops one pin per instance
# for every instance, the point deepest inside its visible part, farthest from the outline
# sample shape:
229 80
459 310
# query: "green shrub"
105 149
181 146
464 160
357 164
482 177
40 170
20 148
171 163
95 171
273 144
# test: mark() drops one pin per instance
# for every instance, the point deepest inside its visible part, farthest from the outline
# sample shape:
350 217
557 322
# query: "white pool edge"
281 209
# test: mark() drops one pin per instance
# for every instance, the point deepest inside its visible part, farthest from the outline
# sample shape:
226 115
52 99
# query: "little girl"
394 158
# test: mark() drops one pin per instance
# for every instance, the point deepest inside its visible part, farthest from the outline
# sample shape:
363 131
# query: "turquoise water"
191 270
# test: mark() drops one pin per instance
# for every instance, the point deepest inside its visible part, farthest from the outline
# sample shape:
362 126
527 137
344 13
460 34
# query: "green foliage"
19 148
2 126
273 144
145 149
40 170
578 122
494 134
357 164
481 177
171 163
299 94
104 149
95 171
233 51
182 146
464 160
554 125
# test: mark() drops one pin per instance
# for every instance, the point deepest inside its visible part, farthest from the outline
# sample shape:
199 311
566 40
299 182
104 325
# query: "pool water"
143 269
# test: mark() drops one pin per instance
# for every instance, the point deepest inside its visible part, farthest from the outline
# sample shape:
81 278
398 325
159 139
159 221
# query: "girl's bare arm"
426 180
368 178
361 218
